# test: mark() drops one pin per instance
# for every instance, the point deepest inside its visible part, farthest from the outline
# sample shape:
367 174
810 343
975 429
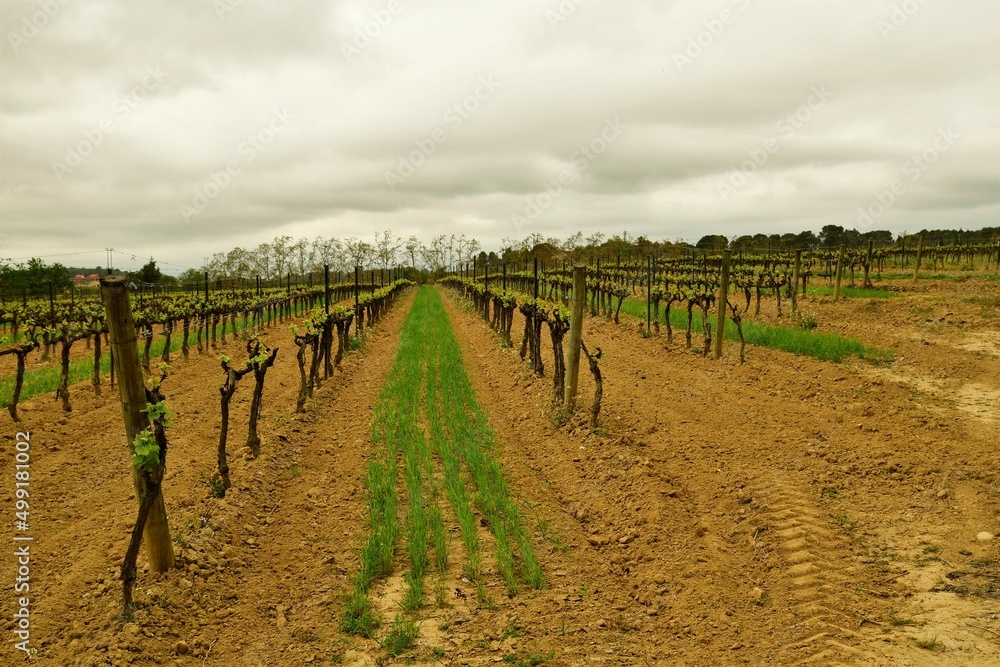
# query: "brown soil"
260 571
782 511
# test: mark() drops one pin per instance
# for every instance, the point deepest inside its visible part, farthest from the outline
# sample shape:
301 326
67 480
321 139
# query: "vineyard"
553 455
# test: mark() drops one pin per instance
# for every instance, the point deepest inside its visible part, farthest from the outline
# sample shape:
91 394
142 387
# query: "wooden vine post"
796 270
327 340
357 298
122 335
868 265
649 291
575 334
920 253
840 274
720 323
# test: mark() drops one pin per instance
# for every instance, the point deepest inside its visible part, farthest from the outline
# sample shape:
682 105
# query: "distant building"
81 280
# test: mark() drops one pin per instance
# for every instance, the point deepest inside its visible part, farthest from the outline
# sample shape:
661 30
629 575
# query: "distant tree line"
287 257
35 276
833 236
31 276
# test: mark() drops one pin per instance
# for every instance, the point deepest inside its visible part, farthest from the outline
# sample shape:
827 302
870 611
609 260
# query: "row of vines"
321 332
691 284
52 328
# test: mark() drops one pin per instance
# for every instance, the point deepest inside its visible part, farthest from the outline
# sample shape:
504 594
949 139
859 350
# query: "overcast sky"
180 128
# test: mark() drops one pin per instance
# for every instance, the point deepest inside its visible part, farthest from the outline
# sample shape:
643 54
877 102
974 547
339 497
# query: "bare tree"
460 249
303 255
427 257
322 254
238 264
387 247
532 240
281 247
358 252
262 260
436 255
595 240
573 242
338 255
466 249
412 246
216 267
473 247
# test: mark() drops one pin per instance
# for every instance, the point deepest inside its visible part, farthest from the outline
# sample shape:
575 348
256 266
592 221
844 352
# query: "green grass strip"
854 292
804 342
471 438
960 277
454 483
428 379
397 434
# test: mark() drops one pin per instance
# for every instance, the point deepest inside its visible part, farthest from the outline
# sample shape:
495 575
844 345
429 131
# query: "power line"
133 255
65 254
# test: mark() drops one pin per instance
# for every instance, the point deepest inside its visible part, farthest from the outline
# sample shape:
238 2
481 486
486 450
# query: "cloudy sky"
180 128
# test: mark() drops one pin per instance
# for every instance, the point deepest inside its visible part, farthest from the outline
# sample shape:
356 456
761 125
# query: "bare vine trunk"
95 380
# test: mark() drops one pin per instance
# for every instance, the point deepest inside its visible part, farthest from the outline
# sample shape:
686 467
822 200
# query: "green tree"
831 236
33 276
149 273
712 242
191 276
805 240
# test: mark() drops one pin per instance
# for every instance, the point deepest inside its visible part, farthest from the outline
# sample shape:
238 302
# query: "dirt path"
260 570
945 336
767 498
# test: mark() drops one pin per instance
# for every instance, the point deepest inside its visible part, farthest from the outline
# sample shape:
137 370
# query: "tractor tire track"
815 580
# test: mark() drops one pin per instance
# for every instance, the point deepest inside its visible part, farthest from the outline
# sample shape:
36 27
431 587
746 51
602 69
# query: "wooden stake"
868 265
840 274
326 288
649 290
357 298
795 279
121 329
920 252
720 323
575 334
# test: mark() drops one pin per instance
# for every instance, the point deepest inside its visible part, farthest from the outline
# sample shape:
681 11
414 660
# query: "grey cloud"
356 118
